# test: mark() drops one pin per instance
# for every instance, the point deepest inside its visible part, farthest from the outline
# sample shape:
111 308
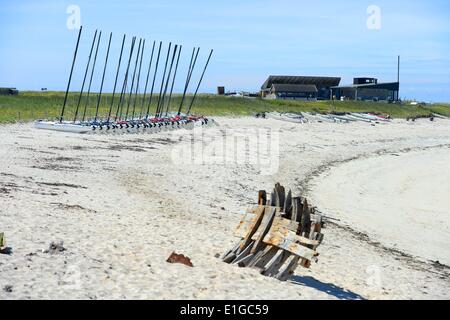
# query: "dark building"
367 89
293 92
299 87
9 92
221 91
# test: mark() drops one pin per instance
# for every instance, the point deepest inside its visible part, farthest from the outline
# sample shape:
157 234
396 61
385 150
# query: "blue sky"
251 39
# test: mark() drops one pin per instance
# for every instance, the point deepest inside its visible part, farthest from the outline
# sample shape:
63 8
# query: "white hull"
317 117
286 117
78 128
64 127
369 117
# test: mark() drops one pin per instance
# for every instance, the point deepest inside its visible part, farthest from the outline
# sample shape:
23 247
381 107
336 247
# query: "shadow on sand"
327 288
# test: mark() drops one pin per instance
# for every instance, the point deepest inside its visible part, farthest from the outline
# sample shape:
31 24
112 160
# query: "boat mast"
188 79
70 77
85 76
162 81
154 79
125 80
138 80
103 78
133 79
92 75
168 80
199 83
117 77
173 81
146 82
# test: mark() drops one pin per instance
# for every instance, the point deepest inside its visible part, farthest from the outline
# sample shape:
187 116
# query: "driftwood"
277 235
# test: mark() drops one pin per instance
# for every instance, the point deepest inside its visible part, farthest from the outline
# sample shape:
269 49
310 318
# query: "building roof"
294 88
317 81
388 86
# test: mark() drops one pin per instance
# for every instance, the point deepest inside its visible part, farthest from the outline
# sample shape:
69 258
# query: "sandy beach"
400 200
122 204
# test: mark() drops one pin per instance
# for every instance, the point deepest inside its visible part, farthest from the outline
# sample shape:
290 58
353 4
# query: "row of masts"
123 107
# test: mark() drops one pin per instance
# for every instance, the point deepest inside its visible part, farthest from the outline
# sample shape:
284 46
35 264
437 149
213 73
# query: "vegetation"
47 105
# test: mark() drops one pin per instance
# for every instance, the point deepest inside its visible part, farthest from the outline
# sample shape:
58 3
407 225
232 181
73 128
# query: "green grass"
47 105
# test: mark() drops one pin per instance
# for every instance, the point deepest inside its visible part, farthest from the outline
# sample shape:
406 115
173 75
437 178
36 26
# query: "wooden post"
262 198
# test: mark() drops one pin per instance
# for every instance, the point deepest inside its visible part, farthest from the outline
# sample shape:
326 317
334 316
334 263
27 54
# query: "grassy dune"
47 105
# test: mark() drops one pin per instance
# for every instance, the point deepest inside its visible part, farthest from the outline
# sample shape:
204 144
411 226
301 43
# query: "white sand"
130 204
402 201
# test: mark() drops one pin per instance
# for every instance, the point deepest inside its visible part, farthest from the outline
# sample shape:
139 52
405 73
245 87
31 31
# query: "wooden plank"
242 253
230 258
285 228
244 225
288 268
288 205
231 255
289 243
253 227
305 220
273 265
259 255
315 229
280 235
273 200
296 209
264 227
262 198
246 222
280 196
243 262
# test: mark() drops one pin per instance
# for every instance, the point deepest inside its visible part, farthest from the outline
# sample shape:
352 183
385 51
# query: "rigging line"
162 81
70 77
85 77
117 77
199 83
154 79
188 80
138 80
173 81
133 79
146 82
92 75
125 80
103 78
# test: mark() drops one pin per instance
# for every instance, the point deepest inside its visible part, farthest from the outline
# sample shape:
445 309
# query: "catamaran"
130 112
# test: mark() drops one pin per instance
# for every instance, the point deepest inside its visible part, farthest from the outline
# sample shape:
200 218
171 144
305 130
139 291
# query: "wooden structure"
277 235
